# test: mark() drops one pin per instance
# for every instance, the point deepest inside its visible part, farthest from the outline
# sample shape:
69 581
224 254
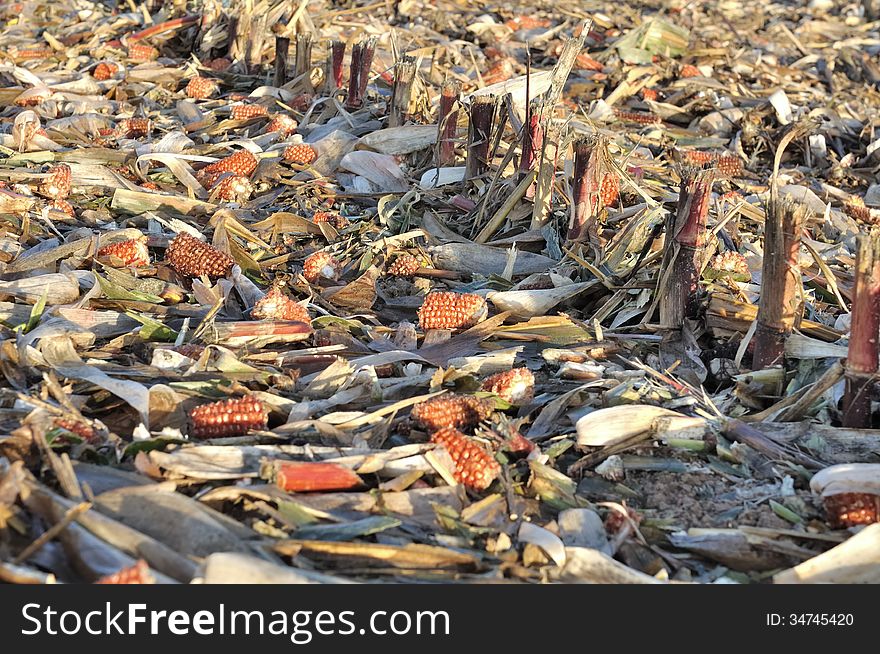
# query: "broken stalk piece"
333 72
448 121
482 119
304 59
401 92
862 357
282 46
359 72
780 275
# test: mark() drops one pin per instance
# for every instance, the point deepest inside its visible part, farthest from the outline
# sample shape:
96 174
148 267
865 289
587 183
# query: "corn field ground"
439 291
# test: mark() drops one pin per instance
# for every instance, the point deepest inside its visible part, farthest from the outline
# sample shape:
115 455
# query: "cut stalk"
594 186
862 358
304 60
401 93
448 122
333 74
359 73
780 275
685 237
482 119
282 47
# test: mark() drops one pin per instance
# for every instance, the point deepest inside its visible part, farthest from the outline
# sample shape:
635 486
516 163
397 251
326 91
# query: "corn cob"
615 521
405 265
219 64
475 467
275 305
142 52
332 218
527 23
459 411
64 207
726 164
34 53
447 310
201 88
32 97
193 258
191 350
139 573
132 253
77 427
689 70
301 154
500 71
104 71
642 118
233 188
846 510
850 493
57 185
248 111
506 433
134 128
855 208
586 62
302 102
320 265
303 477
650 94
728 264
234 417
516 386
283 124
241 163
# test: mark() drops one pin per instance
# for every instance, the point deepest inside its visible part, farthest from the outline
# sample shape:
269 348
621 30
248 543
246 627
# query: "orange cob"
450 410
642 118
846 510
104 70
64 207
856 209
131 253
233 188
586 62
650 94
57 185
275 305
729 263
405 265
475 467
134 128
726 164
201 88
34 53
282 124
320 265
448 310
301 154
302 102
142 52
139 573
500 71
241 163
303 477
234 417
332 218
527 23
516 386
77 427
193 258
248 111
689 70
